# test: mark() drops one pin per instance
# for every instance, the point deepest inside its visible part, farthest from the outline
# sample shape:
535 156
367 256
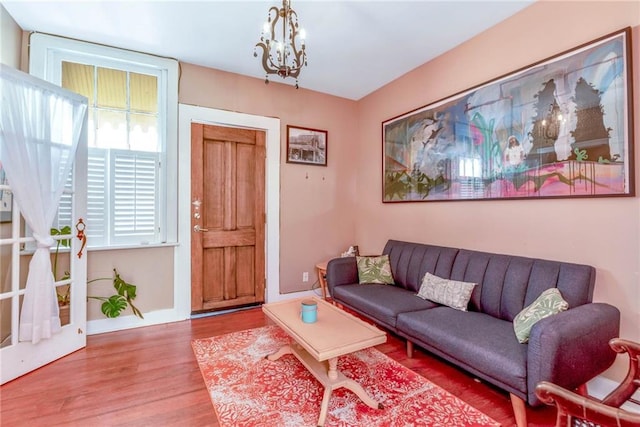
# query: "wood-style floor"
149 377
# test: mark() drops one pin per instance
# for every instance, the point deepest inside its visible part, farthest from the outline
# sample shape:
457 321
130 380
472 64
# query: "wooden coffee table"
319 345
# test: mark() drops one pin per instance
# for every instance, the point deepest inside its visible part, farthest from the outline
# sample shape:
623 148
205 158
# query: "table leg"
324 407
285 349
333 368
328 375
348 383
362 394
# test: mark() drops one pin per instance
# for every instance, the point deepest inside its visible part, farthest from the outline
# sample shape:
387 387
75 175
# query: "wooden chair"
574 409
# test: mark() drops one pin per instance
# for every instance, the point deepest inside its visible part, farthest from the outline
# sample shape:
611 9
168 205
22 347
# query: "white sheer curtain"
40 128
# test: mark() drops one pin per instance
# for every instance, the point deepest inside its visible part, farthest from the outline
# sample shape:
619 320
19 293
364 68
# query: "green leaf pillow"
549 302
374 269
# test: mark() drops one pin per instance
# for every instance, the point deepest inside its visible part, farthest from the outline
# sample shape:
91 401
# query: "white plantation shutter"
130 178
97 197
135 196
64 214
64 210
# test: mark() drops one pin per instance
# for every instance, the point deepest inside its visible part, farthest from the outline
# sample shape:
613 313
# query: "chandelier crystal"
283 49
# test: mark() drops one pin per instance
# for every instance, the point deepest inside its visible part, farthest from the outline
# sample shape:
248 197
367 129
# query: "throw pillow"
451 293
549 302
374 269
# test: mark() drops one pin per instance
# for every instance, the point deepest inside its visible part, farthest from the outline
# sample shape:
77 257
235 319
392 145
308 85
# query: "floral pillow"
374 269
549 302
447 292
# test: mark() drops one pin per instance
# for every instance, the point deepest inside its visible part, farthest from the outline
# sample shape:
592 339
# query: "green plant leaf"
60 232
123 288
113 306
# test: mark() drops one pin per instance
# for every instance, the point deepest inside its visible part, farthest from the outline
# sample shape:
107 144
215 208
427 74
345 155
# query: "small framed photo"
306 146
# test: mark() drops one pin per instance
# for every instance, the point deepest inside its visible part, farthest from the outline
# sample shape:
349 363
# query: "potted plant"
112 306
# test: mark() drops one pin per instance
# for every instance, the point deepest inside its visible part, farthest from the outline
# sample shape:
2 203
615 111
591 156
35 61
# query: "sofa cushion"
507 284
409 262
451 293
374 269
474 340
381 302
549 302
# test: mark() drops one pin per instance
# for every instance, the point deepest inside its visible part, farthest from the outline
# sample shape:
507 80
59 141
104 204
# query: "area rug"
248 390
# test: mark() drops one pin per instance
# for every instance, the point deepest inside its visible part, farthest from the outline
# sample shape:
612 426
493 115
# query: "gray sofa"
567 349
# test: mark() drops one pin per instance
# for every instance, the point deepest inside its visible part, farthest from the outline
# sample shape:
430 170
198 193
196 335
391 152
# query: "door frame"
271 125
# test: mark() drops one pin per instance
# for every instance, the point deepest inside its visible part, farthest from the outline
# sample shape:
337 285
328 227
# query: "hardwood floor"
149 376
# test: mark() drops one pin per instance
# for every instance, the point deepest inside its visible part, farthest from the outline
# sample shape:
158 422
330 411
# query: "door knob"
197 228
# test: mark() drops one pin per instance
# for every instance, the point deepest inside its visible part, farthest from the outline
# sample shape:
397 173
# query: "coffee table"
319 345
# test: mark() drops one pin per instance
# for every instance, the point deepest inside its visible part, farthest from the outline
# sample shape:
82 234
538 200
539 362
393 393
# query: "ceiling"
353 47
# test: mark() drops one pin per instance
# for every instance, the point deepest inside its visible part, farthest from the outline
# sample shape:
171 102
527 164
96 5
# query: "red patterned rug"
248 390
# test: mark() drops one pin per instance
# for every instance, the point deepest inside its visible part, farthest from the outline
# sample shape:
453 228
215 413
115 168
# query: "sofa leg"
519 410
409 349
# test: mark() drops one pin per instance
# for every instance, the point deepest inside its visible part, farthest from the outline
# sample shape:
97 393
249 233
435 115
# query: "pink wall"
539 228
317 219
341 204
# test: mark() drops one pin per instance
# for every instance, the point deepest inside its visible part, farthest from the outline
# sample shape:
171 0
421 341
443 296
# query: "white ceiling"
353 47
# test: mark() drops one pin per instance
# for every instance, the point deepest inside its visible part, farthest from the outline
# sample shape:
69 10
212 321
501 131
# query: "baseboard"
158 317
600 386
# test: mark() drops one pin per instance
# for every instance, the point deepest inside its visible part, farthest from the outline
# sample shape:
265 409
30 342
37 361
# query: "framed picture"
561 127
306 146
6 198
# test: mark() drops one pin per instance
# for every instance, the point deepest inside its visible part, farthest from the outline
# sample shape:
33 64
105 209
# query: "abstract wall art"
561 127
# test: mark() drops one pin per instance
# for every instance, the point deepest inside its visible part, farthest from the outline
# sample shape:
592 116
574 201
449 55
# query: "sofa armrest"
572 347
341 271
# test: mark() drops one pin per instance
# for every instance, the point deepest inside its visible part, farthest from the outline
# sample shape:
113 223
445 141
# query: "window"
132 138
470 177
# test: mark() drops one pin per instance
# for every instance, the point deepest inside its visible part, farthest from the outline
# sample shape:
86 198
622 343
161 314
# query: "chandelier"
550 128
285 56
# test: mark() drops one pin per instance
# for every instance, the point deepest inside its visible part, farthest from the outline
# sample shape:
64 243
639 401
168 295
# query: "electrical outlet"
305 276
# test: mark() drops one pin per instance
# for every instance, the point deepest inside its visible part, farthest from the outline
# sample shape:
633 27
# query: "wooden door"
227 217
